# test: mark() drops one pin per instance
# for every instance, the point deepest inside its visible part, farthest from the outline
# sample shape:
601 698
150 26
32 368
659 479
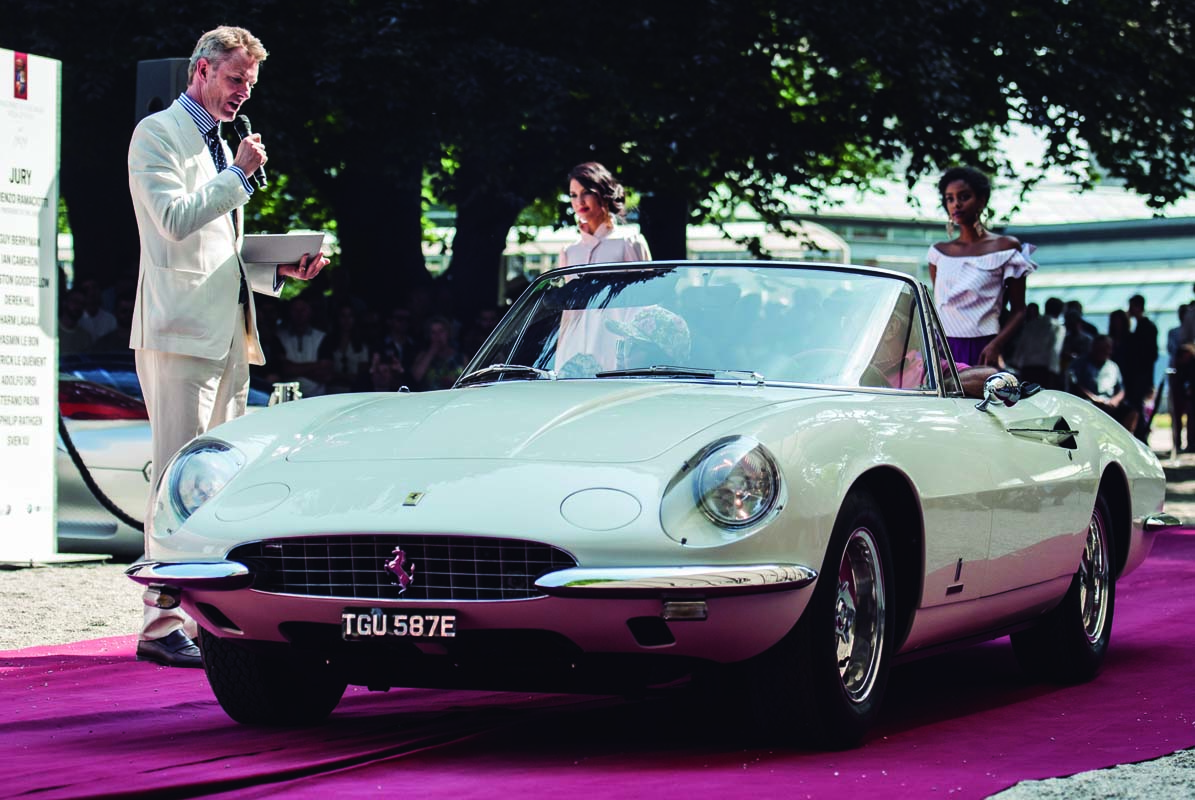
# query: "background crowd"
328 342
1113 362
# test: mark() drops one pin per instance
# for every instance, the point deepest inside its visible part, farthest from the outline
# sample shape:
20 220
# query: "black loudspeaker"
159 82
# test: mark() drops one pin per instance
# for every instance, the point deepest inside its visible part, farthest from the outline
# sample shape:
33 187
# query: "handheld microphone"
243 128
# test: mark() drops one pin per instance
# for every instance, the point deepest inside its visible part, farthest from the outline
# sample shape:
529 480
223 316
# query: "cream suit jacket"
190 248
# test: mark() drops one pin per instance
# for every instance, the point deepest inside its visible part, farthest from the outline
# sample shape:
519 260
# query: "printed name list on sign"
29 142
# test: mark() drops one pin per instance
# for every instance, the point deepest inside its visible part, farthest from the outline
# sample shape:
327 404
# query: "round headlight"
199 472
737 483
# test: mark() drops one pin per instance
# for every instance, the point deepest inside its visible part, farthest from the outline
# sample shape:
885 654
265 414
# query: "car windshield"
774 323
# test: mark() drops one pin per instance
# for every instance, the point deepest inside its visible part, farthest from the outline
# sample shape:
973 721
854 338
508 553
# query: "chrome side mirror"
1003 387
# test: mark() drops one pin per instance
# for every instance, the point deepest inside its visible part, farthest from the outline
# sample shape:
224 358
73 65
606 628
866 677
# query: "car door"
1042 493
944 444
955 489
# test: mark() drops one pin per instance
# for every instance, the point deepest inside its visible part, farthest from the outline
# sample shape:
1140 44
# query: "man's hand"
251 154
308 267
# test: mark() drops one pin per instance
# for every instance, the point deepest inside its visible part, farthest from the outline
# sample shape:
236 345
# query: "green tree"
351 119
701 107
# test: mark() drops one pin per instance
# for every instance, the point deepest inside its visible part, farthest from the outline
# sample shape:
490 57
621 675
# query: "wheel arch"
902 512
1114 486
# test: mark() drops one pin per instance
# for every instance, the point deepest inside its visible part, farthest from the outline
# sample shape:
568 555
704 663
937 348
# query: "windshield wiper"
511 370
755 377
658 371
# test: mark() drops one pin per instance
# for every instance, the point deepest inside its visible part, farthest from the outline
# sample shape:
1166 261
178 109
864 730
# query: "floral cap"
581 365
658 326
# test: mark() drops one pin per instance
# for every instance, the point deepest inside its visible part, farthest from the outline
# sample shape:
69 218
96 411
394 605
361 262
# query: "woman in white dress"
599 204
977 273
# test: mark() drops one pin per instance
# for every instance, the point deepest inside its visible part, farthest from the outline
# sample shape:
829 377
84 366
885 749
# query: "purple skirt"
966 350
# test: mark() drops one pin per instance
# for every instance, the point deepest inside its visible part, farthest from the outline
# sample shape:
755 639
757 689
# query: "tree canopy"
372 109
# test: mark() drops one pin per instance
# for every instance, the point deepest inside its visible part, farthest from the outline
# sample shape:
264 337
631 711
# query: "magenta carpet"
87 720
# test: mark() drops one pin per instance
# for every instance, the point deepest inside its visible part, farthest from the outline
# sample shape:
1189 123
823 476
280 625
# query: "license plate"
380 623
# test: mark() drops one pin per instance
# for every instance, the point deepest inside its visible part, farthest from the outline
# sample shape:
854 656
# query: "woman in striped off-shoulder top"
975 273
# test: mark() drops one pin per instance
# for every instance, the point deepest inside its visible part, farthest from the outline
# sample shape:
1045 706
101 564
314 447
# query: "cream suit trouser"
187 396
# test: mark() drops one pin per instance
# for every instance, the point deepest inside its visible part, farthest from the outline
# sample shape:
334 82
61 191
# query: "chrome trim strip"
702 581
397 602
1161 521
192 575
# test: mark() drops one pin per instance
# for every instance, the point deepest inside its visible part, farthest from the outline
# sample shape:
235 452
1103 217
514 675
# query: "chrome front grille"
445 567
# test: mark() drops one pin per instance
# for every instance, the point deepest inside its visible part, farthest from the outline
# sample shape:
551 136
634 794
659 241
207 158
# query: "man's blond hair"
216 44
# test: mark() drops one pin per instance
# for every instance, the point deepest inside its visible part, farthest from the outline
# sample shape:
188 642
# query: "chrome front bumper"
675 581
192 575
1160 522
699 581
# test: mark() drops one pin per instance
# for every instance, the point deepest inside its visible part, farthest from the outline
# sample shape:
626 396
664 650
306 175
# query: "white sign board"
29 125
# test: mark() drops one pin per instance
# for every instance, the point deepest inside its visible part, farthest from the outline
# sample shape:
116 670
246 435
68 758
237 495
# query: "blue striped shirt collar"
203 120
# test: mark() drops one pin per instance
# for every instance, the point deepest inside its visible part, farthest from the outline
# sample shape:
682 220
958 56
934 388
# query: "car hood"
607 421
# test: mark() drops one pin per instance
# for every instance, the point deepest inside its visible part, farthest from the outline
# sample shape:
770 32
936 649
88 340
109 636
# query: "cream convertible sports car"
768 472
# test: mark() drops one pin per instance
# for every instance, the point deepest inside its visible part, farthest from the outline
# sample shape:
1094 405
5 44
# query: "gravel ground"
44 605
66 603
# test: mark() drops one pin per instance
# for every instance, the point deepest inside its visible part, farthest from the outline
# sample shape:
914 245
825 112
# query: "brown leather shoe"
175 649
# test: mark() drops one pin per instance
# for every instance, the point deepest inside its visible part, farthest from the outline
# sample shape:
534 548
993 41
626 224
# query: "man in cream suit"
193 329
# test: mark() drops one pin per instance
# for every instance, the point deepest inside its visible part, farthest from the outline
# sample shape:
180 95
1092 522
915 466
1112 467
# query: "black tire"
1068 644
274 687
823 684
